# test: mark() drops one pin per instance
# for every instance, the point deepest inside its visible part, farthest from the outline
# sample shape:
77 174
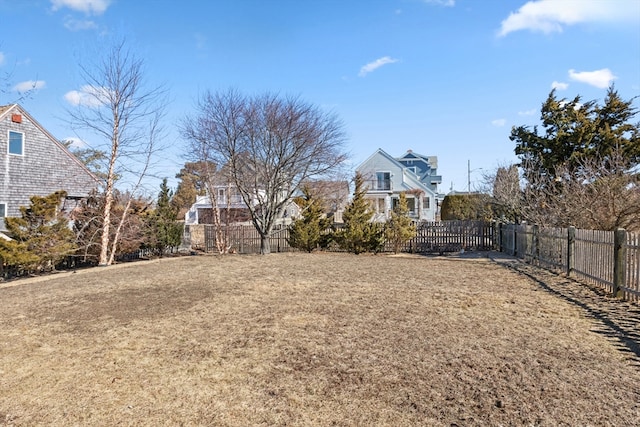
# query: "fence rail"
431 237
610 259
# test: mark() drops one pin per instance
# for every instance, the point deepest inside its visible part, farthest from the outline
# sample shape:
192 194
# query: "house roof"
432 161
383 153
6 109
410 176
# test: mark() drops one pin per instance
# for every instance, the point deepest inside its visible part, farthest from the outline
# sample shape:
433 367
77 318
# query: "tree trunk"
265 244
106 224
106 220
116 238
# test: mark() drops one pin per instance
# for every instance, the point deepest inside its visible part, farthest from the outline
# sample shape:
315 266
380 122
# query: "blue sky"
441 77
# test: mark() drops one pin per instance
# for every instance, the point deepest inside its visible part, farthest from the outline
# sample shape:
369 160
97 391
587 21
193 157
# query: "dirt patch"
312 339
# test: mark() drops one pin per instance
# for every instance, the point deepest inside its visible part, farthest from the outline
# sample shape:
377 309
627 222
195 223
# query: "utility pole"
468 176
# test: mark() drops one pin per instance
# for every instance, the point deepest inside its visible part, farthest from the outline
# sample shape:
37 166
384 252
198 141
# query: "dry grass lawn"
307 339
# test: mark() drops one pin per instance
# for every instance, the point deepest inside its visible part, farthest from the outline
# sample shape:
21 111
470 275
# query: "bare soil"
316 339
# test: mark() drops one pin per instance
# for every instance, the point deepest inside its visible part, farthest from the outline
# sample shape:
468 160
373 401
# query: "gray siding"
45 166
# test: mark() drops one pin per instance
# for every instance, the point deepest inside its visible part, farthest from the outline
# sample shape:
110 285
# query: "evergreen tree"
582 169
360 234
575 132
163 229
310 231
463 207
193 183
400 228
42 237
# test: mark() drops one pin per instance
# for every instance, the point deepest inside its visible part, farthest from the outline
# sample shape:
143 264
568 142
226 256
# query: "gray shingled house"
34 163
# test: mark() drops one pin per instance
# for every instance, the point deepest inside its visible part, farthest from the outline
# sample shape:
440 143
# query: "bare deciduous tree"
24 90
270 145
504 186
600 193
207 160
116 105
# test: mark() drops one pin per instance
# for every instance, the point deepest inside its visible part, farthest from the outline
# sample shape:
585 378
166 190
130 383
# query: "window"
221 196
3 210
426 203
383 181
16 143
411 204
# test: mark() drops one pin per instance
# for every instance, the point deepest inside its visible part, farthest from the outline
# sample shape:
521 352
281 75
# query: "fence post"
619 261
515 241
535 242
571 249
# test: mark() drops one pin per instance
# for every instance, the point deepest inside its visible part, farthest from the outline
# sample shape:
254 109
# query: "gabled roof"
5 110
432 161
387 156
410 177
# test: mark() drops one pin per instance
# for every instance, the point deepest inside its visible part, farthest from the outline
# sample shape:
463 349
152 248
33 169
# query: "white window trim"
426 199
9 143
5 209
390 179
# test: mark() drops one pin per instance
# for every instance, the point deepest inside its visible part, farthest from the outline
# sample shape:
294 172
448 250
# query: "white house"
413 174
232 209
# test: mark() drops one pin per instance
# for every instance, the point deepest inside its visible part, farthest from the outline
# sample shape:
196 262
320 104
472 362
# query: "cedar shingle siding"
44 167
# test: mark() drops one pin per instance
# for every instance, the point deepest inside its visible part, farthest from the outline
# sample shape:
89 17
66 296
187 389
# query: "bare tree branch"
270 145
116 106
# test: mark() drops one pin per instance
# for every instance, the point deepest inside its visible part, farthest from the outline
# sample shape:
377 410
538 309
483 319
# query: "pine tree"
310 231
41 235
360 234
193 183
400 228
163 229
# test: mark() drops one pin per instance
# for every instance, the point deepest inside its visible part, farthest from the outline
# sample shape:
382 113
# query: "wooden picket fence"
605 258
431 237
610 259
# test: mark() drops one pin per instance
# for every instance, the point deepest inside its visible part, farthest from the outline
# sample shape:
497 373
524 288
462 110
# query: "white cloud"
559 85
548 16
372 66
447 3
79 25
90 7
28 85
599 78
499 122
88 96
75 142
527 112
1 59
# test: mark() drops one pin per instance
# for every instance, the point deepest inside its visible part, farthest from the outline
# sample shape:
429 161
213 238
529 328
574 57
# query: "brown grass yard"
316 339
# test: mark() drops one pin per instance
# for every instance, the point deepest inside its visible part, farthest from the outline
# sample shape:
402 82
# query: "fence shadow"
617 320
